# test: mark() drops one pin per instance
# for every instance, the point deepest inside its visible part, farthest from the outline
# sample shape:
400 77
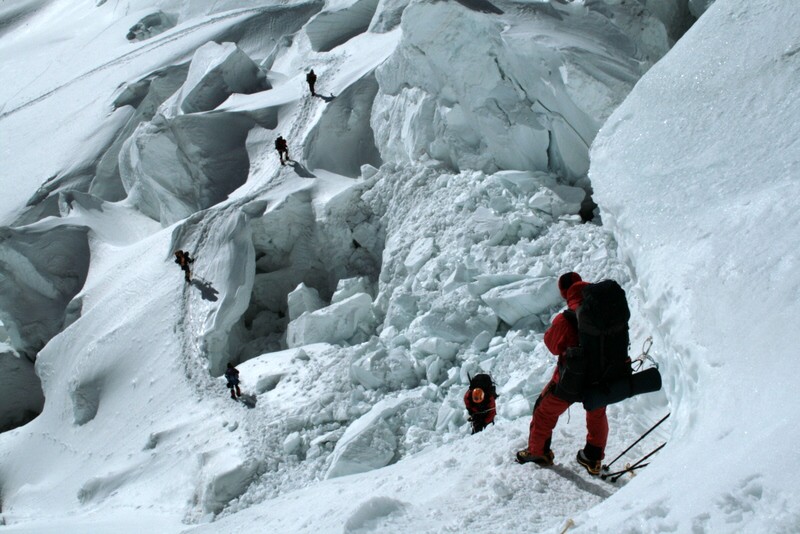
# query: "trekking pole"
605 467
637 465
629 469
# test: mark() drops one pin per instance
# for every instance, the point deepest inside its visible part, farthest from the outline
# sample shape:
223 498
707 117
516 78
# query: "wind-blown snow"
441 181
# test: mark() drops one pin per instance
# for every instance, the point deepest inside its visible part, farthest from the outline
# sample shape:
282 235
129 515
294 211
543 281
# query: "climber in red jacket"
561 335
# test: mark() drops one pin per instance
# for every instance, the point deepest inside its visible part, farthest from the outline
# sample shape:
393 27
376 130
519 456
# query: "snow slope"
439 186
714 252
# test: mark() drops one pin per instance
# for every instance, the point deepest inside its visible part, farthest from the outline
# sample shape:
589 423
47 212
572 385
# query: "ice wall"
43 267
333 27
21 397
172 168
215 72
183 161
342 139
450 90
222 280
303 241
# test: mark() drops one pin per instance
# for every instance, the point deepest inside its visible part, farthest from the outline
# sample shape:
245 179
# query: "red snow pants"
546 412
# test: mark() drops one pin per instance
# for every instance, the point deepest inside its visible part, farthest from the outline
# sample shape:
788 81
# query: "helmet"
477 395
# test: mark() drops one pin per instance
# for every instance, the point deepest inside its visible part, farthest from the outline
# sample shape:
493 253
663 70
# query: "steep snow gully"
437 188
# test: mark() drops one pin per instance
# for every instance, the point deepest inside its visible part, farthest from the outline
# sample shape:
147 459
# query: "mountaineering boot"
593 467
590 457
524 456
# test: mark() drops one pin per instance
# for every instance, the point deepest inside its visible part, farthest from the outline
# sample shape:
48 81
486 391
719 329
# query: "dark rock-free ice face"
48 267
21 397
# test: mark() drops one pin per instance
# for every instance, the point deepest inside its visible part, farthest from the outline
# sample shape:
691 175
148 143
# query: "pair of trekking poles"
614 476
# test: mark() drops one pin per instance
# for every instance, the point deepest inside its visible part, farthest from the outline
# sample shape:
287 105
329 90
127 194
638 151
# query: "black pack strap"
603 358
571 316
593 330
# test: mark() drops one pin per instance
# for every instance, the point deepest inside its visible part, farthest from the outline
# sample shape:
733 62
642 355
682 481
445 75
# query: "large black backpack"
602 355
484 382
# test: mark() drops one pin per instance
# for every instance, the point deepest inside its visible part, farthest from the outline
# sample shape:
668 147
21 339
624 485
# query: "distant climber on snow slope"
183 259
480 401
282 148
232 376
311 78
